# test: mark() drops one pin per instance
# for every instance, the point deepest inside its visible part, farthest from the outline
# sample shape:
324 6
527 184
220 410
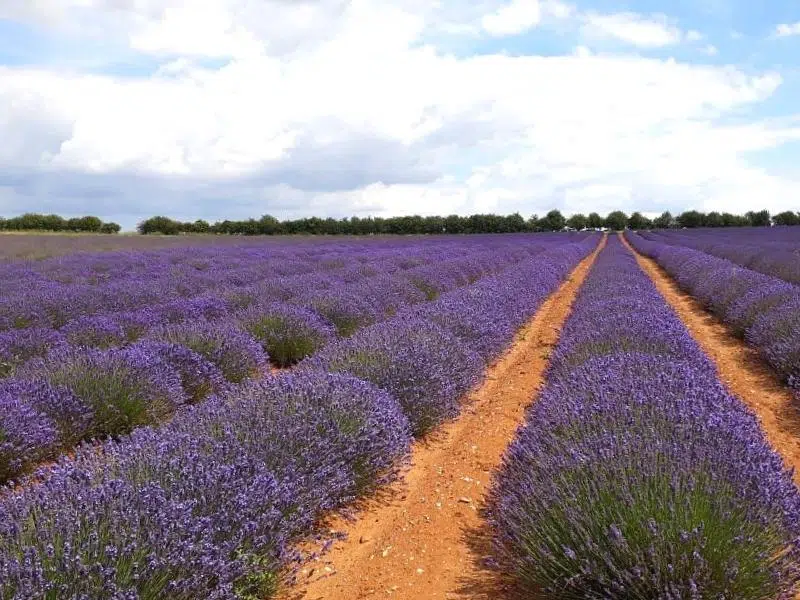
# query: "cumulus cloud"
513 18
631 28
787 29
370 117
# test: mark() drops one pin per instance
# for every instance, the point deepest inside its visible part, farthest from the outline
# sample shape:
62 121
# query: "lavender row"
774 252
637 474
429 355
211 504
762 309
349 300
125 371
131 283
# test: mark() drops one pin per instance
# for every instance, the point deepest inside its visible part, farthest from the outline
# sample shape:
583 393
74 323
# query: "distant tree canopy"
787 218
37 222
554 220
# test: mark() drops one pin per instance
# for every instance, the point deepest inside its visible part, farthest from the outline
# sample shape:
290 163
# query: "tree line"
415 224
37 222
481 223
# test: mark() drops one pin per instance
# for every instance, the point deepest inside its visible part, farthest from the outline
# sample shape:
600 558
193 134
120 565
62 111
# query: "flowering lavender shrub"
26 435
97 331
206 506
71 416
234 352
637 475
764 310
772 251
124 388
419 363
20 345
287 333
200 377
135 324
192 309
346 310
18 312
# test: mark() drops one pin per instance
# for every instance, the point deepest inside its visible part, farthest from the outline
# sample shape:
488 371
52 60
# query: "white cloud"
654 32
693 36
366 119
517 16
786 30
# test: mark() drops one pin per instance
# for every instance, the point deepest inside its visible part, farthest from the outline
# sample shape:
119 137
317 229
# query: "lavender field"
175 421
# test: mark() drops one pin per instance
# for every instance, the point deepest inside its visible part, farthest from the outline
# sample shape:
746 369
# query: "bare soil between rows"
420 538
739 367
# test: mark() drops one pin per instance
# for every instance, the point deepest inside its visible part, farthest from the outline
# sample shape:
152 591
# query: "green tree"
638 221
786 218
160 224
664 221
616 220
578 222
595 221
758 219
691 219
713 219
553 221
110 228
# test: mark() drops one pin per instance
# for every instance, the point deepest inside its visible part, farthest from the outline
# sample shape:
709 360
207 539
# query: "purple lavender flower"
26 436
71 416
97 331
637 474
124 388
237 355
287 333
20 345
200 377
424 367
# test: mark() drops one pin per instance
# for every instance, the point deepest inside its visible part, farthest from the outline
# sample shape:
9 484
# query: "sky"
219 109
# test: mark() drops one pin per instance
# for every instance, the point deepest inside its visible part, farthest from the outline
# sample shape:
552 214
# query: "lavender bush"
287 333
71 416
123 388
637 475
237 355
199 377
98 331
207 506
424 367
20 345
26 436
762 309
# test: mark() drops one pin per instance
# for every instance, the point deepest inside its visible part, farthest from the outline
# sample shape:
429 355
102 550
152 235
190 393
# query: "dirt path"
413 542
740 368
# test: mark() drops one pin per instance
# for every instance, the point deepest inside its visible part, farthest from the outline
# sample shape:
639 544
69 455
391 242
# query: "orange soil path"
739 366
413 542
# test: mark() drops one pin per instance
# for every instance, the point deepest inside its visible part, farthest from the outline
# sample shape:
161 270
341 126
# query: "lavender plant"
424 367
762 309
97 331
287 333
235 353
206 506
26 436
637 475
124 388
20 345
